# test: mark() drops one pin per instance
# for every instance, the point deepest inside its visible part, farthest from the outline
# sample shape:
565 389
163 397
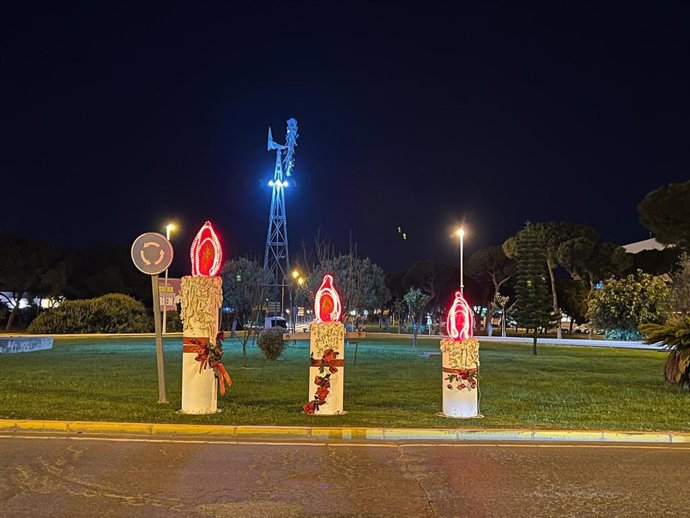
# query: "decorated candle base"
327 369
460 366
201 300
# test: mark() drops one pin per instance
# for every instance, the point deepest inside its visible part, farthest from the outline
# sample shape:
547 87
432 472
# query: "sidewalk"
358 434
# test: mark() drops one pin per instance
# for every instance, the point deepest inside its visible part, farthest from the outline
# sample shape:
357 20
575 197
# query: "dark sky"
114 119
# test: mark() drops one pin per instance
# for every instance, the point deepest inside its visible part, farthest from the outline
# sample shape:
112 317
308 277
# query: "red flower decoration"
322 394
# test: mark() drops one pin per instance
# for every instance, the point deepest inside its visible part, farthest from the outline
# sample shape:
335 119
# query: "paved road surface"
89 476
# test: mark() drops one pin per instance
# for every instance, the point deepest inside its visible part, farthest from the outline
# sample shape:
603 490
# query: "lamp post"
296 277
461 234
168 230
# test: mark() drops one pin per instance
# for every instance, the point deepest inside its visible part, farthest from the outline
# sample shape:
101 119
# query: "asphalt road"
90 476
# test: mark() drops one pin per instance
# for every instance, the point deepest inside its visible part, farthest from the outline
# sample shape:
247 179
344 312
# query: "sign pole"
162 398
152 254
165 304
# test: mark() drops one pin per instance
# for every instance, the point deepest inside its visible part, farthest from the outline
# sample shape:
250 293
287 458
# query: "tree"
573 296
680 286
655 262
666 212
531 309
591 261
97 270
675 335
416 301
491 264
242 282
243 279
27 268
438 281
621 306
553 234
361 282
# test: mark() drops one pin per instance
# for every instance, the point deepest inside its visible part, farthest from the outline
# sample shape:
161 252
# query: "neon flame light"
206 253
460 321
327 301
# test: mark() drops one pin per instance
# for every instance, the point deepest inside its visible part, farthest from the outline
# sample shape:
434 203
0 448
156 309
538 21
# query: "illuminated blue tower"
276 256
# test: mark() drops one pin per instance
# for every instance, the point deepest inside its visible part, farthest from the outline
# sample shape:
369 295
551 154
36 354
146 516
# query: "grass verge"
392 385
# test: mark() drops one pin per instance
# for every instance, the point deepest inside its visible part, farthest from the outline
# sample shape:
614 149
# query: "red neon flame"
327 301
460 321
206 252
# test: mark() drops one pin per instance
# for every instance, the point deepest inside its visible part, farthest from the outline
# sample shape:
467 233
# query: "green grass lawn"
392 385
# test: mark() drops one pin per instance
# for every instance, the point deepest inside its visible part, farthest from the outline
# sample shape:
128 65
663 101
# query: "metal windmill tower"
276 256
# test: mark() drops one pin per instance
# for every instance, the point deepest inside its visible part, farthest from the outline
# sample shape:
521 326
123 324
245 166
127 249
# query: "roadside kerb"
341 433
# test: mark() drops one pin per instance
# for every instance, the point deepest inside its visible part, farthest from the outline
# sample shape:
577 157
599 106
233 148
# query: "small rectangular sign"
169 293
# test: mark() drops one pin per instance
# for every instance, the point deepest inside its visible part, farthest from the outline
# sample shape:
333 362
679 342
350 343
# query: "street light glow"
295 274
169 228
300 281
460 232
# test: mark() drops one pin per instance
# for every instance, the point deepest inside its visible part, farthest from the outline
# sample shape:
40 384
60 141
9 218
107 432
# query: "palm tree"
675 337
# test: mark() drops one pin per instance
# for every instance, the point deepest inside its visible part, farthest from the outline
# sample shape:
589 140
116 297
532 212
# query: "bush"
622 305
112 313
271 342
173 323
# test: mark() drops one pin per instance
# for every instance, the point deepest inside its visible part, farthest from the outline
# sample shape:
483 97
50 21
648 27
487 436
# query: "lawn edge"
344 433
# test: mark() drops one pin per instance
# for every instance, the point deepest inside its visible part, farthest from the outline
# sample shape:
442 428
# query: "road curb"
308 433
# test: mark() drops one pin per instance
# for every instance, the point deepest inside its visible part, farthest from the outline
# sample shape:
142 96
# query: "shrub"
622 305
112 313
271 343
173 323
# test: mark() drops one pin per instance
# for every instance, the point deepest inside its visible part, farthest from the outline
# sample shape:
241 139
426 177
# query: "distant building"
647 244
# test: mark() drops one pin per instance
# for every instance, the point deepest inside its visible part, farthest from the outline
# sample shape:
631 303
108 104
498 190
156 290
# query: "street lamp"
168 230
461 234
296 278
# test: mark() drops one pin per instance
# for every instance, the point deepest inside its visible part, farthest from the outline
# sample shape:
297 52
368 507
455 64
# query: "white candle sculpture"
202 296
327 353
460 362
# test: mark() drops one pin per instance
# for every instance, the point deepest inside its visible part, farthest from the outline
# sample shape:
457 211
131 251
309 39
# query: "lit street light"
168 230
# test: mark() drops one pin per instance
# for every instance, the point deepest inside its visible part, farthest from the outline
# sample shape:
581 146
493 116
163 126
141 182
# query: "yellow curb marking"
347 445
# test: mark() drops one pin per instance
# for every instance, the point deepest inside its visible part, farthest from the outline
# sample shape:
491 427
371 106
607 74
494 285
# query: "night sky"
114 120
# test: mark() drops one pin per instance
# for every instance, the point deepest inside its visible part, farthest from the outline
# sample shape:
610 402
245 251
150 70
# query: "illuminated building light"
460 321
206 253
327 301
285 184
270 183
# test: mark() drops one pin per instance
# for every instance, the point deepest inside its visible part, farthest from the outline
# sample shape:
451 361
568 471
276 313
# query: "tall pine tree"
533 304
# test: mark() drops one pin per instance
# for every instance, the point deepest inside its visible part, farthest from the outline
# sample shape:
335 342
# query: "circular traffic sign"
152 253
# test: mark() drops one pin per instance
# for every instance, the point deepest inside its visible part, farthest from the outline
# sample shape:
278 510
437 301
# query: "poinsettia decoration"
210 354
462 379
329 361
